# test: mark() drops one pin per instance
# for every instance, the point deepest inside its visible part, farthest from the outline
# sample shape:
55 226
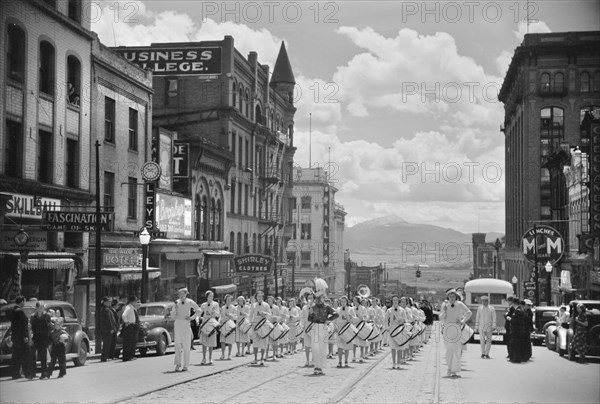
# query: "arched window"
232 242
247 104
15 53
233 95
198 212
212 212
258 115
545 83
218 221
272 121
596 82
241 99
73 80
205 219
47 63
559 82
246 246
551 129
239 243
259 246
584 82
254 243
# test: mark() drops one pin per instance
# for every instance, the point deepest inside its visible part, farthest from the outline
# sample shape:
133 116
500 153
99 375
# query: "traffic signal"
418 273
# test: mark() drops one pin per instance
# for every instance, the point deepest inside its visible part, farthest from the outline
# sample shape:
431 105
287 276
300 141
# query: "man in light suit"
486 324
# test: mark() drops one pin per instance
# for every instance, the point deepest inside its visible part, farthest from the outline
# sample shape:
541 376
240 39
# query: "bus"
497 291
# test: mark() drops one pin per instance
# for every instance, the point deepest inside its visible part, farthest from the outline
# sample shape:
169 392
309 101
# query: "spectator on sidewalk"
510 311
108 328
60 339
41 326
485 322
130 328
114 310
21 355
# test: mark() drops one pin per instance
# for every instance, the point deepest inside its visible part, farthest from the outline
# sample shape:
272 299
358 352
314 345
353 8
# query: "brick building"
552 84
238 123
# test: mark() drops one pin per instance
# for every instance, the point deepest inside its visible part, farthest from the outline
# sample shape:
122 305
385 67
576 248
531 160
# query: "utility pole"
98 251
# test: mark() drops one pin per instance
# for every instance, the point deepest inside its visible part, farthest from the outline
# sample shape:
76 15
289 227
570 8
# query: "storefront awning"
223 289
223 253
45 263
176 256
129 273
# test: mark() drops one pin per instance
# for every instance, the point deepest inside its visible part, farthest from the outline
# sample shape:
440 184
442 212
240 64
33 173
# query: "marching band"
314 320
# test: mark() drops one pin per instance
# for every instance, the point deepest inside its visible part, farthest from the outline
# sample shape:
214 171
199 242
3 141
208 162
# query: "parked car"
564 333
156 328
79 344
543 317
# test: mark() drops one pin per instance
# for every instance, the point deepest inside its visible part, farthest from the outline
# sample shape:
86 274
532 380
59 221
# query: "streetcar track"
260 384
352 385
436 385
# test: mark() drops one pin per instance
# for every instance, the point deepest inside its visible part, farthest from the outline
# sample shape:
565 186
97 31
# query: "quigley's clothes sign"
174 61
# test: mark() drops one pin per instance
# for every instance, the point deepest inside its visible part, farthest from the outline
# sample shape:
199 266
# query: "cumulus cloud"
535 27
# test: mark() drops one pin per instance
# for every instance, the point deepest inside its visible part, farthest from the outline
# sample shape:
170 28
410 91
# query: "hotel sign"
175 61
253 263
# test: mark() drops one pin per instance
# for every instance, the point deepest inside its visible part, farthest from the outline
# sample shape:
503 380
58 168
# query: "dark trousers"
40 351
130 337
58 353
108 343
21 359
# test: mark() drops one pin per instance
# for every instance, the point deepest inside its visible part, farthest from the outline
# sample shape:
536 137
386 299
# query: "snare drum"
286 329
277 332
227 328
209 327
375 333
244 325
348 332
364 330
400 335
466 334
263 328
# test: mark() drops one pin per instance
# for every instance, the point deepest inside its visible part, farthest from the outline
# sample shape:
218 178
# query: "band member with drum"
284 315
306 326
395 318
260 310
320 314
293 322
249 304
332 338
454 315
210 310
183 331
228 312
346 315
360 315
273 318
242 314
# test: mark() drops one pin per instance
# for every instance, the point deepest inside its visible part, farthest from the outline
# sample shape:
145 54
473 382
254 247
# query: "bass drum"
227 328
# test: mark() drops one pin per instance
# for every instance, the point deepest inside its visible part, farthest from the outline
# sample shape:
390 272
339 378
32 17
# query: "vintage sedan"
561 339
156 328
79 344
543 317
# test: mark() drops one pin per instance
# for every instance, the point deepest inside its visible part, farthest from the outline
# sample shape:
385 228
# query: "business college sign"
174 61
595 180
253 263
550 245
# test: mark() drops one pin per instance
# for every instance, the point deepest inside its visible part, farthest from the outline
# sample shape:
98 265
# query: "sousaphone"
363 291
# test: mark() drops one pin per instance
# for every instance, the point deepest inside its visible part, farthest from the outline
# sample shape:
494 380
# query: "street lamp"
144 241
548 267
514 281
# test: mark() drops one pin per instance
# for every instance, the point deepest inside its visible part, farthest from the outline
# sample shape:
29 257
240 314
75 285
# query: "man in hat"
183 331
529 312
454 315
41 325
485 322
108 328
130 328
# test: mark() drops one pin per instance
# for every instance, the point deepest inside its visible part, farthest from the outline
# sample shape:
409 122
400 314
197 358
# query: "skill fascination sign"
548 242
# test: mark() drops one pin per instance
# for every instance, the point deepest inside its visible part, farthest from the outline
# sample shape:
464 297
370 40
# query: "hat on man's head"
529 302
132 298
105 299
484 297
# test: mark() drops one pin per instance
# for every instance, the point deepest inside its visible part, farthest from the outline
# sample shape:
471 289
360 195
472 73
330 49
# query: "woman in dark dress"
519 335
580 324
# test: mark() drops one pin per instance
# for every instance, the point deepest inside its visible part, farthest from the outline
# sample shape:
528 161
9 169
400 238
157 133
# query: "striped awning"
48 264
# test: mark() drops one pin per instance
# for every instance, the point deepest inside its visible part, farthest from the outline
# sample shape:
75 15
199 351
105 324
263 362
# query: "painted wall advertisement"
174 215
175 61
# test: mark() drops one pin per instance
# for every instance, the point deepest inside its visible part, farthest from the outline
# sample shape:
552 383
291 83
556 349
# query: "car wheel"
82 354
161 345
143 351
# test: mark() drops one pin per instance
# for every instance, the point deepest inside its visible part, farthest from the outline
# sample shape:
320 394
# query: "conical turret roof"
282 72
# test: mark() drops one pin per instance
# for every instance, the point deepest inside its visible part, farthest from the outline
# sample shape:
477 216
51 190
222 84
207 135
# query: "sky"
398 99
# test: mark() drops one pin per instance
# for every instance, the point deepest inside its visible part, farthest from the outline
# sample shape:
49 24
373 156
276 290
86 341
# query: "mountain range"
395 241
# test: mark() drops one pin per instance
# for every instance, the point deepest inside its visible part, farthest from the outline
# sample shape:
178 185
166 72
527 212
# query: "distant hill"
393 240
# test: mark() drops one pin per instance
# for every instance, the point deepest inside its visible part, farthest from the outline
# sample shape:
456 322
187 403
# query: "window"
240 98
205 221
239 243
305 257
246 245
239 206
232 198
233 142
46 60
15 53
13 151
133 129
559 82
232 242
552 121
171 90
75 10
72 164
73 80
246 196
305 202
545 83
198 213
240 152
584 82
233 96
254 202
44 156
109 190
246 151
132 198
109 119
254 243
545 176
596 82
305 231
211 219
247 105
552 84
218 220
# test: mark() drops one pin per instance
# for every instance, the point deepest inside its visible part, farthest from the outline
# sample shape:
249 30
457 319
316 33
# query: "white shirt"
128 315
183 310
485 316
